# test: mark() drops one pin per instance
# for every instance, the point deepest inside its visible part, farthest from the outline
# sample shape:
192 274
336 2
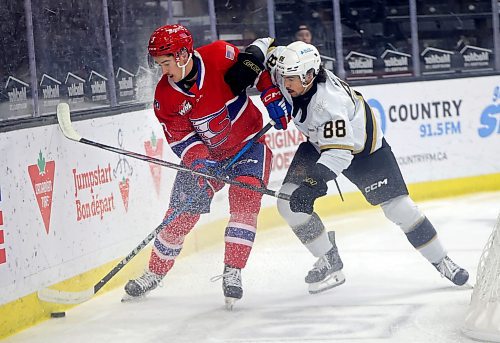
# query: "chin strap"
308 84
183 67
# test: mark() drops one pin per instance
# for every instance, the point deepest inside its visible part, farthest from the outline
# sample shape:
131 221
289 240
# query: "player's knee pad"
292 218
186 187
403 212
177 229
242 199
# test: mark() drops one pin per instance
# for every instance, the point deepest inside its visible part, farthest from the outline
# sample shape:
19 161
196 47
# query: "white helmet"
297 59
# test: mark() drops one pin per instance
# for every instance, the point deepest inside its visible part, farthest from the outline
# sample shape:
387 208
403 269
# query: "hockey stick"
247 146
64 119
62 297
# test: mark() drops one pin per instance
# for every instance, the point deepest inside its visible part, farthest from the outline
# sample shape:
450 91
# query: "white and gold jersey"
335 118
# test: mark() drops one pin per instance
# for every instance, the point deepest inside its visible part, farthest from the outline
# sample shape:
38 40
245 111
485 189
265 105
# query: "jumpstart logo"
490 117
95 205
3 255
154 148
42 179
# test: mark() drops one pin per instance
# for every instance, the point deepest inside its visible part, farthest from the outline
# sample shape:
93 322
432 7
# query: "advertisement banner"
442 129
19 93
396 64
475 58
67 207
360 66
436 61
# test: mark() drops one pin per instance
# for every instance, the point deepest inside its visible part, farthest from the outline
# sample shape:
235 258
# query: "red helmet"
170 39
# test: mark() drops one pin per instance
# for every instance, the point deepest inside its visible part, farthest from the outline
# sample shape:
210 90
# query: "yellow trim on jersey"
364 112
271 46
336 146
374 138
359 96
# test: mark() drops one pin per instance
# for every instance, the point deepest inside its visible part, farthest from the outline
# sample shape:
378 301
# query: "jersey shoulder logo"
320 105
185 107
156 104
230 52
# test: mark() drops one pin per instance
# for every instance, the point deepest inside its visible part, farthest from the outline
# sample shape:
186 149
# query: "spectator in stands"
304 34
462 42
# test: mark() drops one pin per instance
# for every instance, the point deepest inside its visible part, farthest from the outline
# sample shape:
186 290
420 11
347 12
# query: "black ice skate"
452 271
327 271
231 285
141 286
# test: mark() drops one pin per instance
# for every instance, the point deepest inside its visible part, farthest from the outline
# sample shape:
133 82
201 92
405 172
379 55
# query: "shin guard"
424 238
168 243
240 232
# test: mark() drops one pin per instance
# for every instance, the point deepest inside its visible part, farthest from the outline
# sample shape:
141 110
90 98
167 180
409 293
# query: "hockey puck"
58 314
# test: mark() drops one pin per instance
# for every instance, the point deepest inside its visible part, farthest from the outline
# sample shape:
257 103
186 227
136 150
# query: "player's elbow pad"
256 52
244 72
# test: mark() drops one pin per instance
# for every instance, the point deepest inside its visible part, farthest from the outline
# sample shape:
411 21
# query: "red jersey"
207 121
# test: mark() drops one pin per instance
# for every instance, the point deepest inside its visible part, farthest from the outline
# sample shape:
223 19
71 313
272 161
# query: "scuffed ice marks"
300 324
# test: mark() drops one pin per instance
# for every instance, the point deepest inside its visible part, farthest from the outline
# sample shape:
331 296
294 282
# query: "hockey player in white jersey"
344 137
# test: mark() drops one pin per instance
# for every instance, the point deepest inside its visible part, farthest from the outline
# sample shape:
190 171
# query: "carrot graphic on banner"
124 188
154 148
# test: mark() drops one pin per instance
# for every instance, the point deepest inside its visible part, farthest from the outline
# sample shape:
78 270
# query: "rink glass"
92 54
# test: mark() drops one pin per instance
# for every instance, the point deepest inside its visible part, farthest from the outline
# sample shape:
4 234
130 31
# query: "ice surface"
391 294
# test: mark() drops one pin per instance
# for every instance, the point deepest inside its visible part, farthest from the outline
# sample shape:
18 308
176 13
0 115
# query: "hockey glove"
279 109
208 167
311 188
243 73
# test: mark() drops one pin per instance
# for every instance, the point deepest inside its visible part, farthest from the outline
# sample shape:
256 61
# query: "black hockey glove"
312 187
243 73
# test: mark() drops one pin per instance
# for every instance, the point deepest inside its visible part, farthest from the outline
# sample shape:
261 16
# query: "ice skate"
231 285
327 271
452 271
140 287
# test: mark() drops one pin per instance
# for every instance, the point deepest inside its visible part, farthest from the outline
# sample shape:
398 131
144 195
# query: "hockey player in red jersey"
207 118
